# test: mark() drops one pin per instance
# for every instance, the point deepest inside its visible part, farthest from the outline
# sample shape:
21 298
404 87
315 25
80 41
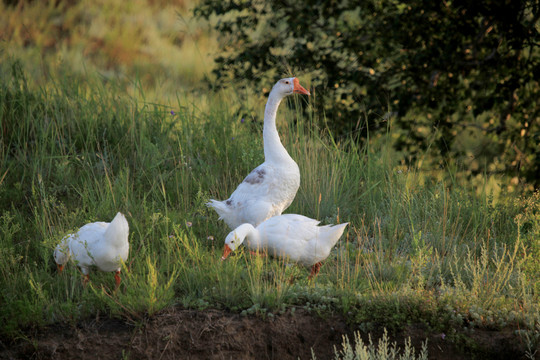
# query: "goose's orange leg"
315 270
117 278
262 253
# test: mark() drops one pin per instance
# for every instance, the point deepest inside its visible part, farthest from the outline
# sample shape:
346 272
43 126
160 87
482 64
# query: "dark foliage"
460 77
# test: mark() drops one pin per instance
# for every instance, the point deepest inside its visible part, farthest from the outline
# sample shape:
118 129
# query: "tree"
462 77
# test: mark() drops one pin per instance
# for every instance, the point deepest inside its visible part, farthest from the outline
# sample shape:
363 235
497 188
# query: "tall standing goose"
102 244
271 187
290 236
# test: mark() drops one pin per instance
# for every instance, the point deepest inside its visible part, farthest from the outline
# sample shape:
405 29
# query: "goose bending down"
271 187
100 243
290 236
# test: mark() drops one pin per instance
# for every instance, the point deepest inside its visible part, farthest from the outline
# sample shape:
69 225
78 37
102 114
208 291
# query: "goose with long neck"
292 237
271 187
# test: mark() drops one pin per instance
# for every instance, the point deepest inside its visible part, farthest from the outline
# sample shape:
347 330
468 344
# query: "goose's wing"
299 227
251 201
287 235
289 228
255 186
83 244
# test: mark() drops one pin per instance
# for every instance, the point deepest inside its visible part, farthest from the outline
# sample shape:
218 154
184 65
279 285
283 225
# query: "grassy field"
416 250
76 147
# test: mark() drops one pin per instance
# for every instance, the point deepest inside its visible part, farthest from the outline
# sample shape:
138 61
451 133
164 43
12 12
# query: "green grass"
419 248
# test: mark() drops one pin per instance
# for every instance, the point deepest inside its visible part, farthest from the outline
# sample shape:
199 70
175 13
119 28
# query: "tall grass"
73 153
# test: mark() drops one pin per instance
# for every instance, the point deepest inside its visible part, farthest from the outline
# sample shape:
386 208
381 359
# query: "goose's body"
271 187
102 244
290 236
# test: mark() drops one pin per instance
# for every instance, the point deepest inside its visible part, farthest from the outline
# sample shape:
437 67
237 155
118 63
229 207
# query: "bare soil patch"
214 334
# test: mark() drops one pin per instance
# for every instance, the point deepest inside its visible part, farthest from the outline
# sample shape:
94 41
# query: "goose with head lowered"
271 187
102 244
292 237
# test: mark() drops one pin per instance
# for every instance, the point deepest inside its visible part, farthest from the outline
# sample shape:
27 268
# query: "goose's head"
61 254
288 86
232 241
237 237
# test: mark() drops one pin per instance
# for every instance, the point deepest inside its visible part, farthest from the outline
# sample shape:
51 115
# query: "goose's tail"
118 230
219 206
333 232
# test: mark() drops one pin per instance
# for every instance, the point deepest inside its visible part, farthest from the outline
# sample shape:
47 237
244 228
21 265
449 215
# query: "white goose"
290 236
271 187
100 243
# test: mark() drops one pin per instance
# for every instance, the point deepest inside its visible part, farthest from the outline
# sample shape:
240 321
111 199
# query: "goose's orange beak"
60 268
226 251
298 88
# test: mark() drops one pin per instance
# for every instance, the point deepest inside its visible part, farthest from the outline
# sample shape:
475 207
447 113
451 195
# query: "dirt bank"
212 334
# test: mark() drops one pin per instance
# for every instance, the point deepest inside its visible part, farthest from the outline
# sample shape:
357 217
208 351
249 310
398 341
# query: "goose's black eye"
286 82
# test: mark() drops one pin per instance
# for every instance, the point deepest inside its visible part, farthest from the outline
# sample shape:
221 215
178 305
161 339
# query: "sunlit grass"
415 249
158 43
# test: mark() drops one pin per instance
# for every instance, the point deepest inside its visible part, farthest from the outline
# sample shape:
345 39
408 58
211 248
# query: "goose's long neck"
249 234
274 151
